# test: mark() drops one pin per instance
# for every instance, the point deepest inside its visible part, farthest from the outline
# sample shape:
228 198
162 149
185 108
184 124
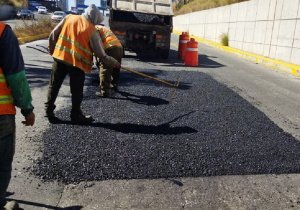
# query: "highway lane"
19 22
223 127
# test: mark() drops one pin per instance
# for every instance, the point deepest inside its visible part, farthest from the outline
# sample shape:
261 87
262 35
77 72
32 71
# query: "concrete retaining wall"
266 27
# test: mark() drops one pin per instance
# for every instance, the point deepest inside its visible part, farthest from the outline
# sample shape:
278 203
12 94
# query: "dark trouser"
58 74
7 151
109 75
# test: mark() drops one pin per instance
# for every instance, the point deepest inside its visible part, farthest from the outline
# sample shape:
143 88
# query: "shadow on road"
37 77
146 100
204 61
130 79
43 50
161 129
30 203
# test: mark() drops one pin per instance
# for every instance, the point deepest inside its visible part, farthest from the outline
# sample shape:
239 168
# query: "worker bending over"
72 44
109 75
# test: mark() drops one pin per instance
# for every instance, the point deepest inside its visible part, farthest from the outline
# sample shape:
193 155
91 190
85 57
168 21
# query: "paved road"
228 138
18 23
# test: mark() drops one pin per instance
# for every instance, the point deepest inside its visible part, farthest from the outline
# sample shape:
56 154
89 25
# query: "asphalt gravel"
136 17
148 130
149 18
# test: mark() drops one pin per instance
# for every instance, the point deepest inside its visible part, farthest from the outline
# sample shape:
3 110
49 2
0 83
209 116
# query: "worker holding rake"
108 75
72 44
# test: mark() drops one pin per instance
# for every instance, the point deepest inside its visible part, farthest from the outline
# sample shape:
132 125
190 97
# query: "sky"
72 3
96 2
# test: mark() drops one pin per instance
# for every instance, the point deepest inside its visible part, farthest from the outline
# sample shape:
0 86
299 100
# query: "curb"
274 64
24 40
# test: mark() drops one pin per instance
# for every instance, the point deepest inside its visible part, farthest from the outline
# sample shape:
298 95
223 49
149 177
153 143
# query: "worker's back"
73 45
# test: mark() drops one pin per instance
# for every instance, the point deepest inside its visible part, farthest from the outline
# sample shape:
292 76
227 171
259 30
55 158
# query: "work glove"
110 62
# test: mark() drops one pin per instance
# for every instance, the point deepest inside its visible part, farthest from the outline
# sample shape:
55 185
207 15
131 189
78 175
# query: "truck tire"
164 53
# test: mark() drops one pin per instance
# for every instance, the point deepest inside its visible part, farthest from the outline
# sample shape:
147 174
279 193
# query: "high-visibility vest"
7 106
73 44
108 38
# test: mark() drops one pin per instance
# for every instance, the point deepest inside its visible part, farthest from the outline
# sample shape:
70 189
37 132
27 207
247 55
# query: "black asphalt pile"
151 131
149 19
136 17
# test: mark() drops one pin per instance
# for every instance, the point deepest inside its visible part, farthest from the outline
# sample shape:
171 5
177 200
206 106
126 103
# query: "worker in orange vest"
109 77
14 91
72 43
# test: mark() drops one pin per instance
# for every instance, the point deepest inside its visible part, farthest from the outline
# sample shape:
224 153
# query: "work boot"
104 94
50 113
51 116
81 119
11 205
115 88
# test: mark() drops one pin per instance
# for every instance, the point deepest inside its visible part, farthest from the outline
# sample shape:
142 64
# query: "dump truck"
142 26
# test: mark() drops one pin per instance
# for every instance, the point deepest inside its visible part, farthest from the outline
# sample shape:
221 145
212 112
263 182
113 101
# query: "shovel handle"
149 77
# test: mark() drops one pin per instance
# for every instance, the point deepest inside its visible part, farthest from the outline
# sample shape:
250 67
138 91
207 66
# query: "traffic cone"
191 54
183 40
179 45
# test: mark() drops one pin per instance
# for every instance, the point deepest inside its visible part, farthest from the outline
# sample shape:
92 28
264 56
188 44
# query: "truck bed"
160 7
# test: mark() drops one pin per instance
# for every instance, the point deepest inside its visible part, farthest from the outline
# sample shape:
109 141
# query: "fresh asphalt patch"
148 130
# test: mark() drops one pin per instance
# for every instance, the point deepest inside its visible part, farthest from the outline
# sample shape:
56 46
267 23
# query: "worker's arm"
12 63
53 37
98 49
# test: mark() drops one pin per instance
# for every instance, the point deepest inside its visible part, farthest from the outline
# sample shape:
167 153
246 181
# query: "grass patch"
196 5
224 39
34 30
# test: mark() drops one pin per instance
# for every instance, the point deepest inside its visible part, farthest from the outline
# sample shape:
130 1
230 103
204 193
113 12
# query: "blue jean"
7 151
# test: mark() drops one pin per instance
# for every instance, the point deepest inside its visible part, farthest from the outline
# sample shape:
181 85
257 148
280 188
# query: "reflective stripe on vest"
73 44
7 106
108 38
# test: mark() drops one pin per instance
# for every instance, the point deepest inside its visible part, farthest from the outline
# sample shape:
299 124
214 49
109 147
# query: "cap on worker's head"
93 14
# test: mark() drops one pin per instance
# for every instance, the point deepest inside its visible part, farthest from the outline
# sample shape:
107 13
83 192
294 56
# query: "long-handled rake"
176 84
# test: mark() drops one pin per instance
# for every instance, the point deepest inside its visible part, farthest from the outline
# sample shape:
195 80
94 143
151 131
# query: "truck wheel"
164 54
123 51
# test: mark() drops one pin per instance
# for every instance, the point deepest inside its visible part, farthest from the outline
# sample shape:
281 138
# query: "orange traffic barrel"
183 40
191 53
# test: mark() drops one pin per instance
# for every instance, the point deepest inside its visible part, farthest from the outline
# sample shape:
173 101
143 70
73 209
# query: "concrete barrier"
270 28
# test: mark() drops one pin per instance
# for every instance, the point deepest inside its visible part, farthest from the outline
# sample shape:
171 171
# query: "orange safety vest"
73 44
108 38
7 106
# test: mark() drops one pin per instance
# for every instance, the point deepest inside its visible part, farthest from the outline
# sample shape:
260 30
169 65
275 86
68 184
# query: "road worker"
109 76
72 44
14 91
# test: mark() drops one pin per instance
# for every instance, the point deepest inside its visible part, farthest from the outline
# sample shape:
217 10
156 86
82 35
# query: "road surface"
227 138
19 22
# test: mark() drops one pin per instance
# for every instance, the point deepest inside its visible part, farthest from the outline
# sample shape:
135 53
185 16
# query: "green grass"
224 39
197 5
